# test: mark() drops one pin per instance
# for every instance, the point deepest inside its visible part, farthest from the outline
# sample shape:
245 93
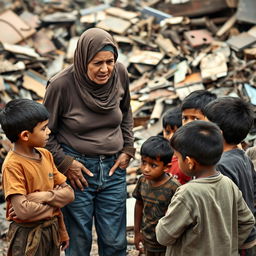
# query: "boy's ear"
169 165
191 162
24 135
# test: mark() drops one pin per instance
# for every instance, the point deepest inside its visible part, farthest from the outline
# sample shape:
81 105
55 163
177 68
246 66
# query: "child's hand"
57 187
12 213
138 239
64 245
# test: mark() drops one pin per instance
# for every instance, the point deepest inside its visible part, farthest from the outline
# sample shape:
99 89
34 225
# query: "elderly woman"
92 142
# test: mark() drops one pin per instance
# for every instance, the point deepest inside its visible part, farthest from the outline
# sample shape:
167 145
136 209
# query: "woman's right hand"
75 176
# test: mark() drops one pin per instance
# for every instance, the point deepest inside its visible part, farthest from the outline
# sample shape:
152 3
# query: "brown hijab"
99 98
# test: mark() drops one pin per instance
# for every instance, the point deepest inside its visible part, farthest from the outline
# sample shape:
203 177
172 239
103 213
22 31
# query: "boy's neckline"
29 157
228 147
161 182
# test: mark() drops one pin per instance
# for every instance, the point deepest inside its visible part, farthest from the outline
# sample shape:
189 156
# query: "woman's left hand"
121 162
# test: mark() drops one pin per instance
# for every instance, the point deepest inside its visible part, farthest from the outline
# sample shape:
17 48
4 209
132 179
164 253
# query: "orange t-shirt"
23 175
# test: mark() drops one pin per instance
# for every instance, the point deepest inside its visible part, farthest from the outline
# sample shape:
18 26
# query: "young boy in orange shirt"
33 187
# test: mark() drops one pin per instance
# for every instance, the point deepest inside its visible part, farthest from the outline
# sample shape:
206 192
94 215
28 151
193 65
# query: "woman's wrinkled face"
100 68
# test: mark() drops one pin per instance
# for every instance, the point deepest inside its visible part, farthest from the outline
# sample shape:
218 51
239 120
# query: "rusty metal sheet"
198 37
166 45
35 82
43 43
146 57
14 28
114 24
192 8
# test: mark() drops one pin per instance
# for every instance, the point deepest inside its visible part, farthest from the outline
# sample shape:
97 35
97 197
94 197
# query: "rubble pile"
170 48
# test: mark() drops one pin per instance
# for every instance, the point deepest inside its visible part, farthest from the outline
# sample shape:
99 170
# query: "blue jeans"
105 200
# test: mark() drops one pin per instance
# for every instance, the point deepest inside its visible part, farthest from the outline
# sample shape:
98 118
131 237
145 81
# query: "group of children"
203 201
196 195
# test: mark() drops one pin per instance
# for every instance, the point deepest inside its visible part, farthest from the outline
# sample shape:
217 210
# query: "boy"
153 193
33 188
207 215
171 122
192 106
235 118
251 153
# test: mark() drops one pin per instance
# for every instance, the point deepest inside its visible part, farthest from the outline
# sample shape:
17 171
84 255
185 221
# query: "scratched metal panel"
193 7
247 11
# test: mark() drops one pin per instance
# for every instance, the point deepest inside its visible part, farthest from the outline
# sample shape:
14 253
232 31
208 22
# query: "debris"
114 24
198 37
191 83
241 41
159 15
14 28
227 25
213 66
35 82
43 43
251 92
146 57
181 72
246 11
21 50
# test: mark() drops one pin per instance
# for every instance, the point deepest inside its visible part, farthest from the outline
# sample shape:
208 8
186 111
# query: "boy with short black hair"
235 119
171 122
193 105
207 215
33 187
153 193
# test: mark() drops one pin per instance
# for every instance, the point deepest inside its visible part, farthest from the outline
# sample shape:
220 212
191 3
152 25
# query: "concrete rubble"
170 48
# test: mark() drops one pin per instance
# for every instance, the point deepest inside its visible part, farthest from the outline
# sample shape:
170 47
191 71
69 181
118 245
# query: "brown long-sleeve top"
88 132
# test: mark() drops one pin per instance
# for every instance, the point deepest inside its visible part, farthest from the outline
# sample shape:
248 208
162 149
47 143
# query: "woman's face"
100 68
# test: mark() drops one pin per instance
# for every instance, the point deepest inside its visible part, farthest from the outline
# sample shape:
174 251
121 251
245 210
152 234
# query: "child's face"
168 132
191 114
40 135
152 169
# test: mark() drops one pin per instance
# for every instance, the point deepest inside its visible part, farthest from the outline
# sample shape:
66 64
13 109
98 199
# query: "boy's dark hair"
197 100
172 118
157 147
20 115
200 140
234 117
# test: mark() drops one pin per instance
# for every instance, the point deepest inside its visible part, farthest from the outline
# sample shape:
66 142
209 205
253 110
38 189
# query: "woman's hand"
75 176
122 162
64 245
